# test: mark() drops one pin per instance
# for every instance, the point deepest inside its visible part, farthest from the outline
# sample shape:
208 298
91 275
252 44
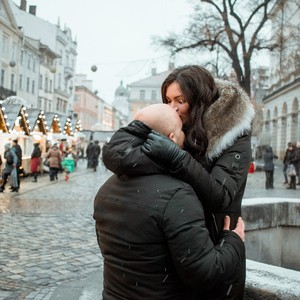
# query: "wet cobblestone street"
47 234
48 237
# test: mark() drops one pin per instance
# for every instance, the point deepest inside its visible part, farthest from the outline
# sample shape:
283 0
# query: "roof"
34 26
152 81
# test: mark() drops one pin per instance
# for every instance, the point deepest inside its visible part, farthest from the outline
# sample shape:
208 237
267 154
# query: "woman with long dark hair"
216 117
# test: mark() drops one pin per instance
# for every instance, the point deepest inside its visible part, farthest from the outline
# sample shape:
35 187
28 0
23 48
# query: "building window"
2 77
28 61
4 46
61 57
14 51
41 82
21 82
46 84
34 64
45 104
27 84
32 87
22 57
59 81
40 102
12 81
58 104
50 86
153 95
142 94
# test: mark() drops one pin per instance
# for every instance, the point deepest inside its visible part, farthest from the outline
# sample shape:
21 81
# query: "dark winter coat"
95 151
18 150
268 159
35 158
9 167
88 150
290 157
152 235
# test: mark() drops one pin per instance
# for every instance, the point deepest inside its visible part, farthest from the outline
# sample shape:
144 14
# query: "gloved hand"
161 148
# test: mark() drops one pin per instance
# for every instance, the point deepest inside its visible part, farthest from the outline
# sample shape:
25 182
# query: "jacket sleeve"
123 154
119 154
198 262
218 187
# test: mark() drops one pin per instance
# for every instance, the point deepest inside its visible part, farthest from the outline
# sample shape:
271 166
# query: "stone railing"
272 241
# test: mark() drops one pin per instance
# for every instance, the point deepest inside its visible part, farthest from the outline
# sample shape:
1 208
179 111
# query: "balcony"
68 72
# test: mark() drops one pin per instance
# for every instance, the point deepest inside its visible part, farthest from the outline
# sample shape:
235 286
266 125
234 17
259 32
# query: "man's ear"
171 136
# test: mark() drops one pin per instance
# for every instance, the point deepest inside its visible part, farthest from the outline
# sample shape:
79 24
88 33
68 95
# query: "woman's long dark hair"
200 91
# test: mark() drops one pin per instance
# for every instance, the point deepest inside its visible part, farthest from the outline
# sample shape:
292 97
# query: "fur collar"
228 118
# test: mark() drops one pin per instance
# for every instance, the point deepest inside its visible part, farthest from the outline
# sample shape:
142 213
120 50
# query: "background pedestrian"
18 150
269 167
10 169
35 161
297 162
94 155
289 163
54 157
88 154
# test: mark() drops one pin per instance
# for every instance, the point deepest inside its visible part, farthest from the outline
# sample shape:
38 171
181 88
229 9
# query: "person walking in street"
94 155
151 227
18 150
269 167
297 162
10 169
285 163
88 154
35 161
54 157
217 117
289 162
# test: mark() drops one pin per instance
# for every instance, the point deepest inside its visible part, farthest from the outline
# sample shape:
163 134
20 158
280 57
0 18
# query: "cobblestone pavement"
47 234
256 185
48 238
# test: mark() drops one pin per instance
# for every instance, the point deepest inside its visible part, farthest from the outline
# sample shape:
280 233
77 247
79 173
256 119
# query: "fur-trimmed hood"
228 118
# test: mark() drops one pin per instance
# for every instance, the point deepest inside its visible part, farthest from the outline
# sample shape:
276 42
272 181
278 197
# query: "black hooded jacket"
152 234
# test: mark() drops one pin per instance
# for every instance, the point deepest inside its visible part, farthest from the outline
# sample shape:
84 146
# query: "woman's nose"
173 105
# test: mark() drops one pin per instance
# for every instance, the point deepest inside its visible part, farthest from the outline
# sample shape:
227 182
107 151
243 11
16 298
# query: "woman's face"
176 100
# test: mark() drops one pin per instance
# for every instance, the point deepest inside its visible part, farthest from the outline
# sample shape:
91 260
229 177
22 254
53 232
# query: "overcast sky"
115 35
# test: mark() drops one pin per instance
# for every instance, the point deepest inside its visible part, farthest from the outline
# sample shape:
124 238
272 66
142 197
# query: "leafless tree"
237 29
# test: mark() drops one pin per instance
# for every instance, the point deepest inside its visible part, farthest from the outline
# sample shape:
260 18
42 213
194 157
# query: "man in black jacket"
151 227
18 150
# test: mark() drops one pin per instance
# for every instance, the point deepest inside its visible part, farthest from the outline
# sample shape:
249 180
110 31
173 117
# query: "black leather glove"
161 148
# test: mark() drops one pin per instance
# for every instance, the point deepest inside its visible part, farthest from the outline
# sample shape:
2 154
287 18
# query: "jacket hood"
228 118
116 155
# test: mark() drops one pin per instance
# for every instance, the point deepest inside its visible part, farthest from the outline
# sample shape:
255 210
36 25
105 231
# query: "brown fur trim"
227 118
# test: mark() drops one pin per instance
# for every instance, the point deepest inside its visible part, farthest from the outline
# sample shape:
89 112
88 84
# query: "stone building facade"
281 122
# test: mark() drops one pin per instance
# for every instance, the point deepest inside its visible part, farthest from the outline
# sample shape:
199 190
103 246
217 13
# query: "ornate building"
281 122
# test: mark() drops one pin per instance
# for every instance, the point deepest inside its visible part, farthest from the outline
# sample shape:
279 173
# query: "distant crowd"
55 160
